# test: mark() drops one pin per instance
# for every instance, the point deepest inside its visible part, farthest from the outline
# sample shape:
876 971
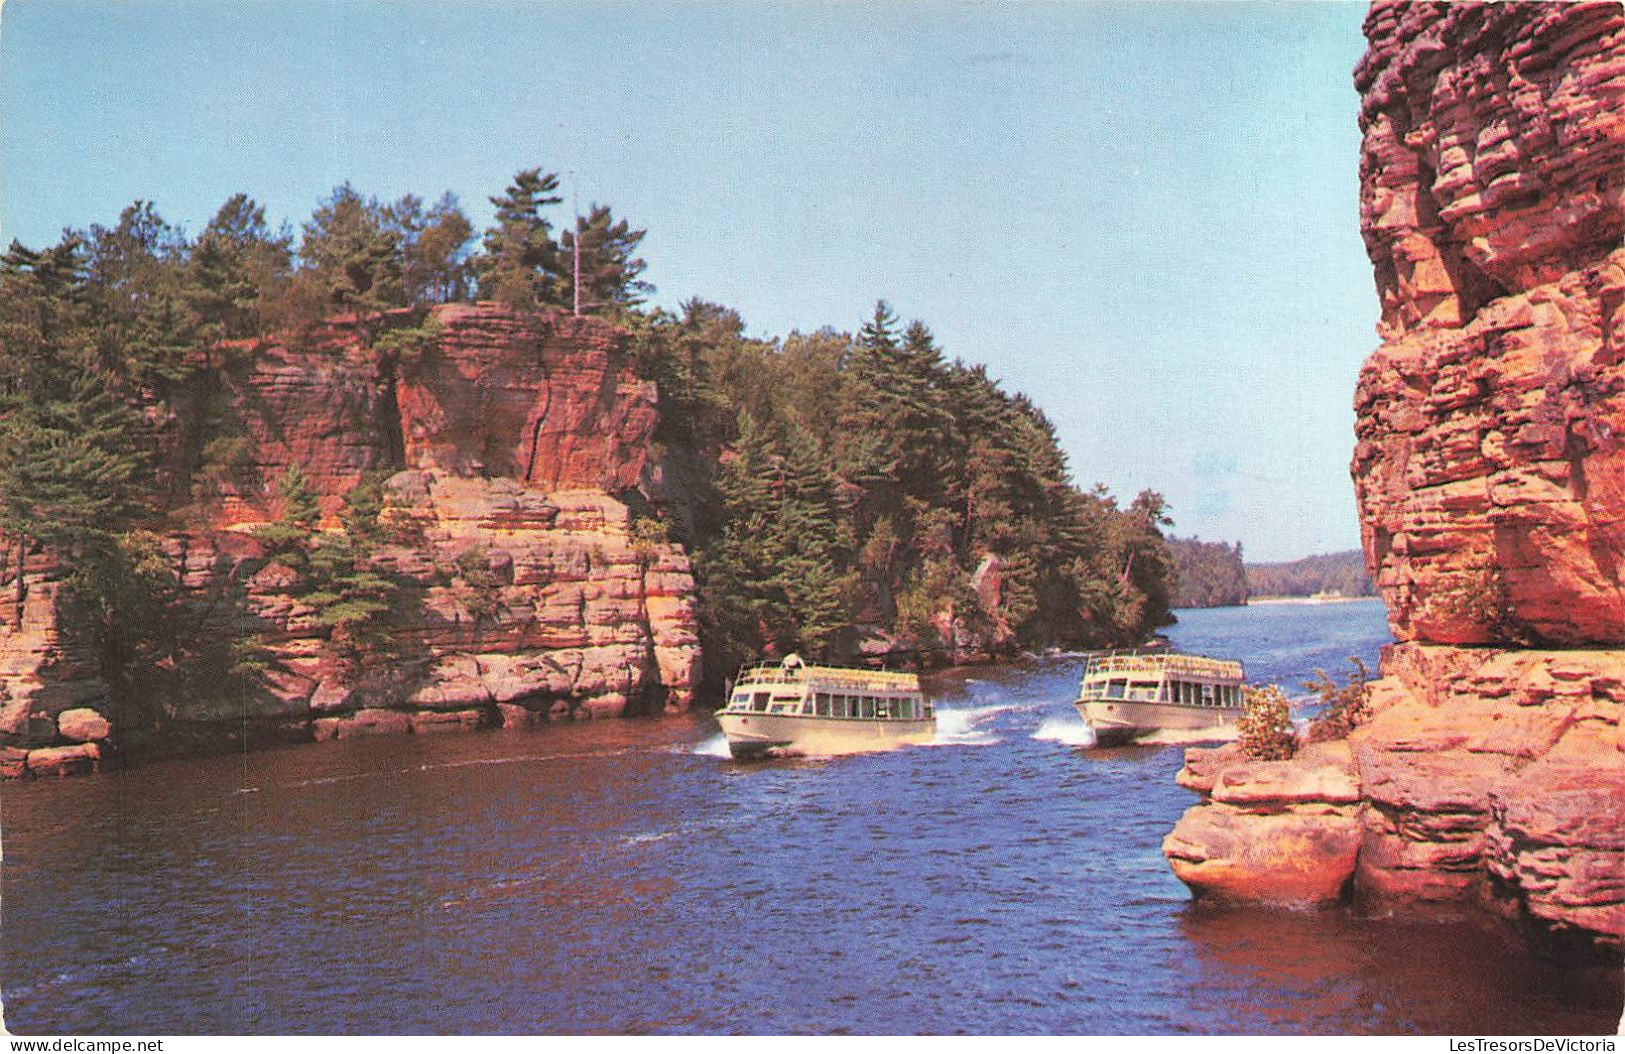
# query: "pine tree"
237 269
609 266
288 538
353 600
146 330
806 547
71 448
434 249
352 258
520 264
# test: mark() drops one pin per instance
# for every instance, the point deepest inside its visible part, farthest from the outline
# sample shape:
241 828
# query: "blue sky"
1142 214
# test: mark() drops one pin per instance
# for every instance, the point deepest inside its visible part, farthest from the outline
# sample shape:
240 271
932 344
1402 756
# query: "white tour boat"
1126 695
794 708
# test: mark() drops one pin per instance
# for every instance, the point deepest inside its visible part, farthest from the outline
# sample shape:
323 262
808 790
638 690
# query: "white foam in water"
715 747
1073 733
962 728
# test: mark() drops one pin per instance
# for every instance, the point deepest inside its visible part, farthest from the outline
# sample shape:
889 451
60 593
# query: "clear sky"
1144 215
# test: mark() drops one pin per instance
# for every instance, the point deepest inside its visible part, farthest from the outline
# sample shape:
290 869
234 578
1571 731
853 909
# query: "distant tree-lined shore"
1213 574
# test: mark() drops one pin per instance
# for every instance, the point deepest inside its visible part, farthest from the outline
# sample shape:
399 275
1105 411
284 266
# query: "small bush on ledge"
1266 724
1341 709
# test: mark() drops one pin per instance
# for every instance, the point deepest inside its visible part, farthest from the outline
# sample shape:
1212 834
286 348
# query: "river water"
626 877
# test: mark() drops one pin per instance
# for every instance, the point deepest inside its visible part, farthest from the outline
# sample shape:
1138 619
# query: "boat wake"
1066 731
715 747
966 728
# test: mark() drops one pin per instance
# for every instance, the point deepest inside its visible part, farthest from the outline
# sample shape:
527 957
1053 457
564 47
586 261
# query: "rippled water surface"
622 877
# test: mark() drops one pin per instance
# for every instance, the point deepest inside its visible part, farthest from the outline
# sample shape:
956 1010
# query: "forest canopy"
1342 573
836 488
1207 574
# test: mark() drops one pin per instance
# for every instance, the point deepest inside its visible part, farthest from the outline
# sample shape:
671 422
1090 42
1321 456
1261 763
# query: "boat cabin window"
1208 695
1116 688
759 703
1143 690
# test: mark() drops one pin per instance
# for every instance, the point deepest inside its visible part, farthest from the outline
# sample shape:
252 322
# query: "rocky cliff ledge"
1490 474
508 434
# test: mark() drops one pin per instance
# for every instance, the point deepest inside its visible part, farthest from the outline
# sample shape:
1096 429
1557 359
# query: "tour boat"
1126 695
791 707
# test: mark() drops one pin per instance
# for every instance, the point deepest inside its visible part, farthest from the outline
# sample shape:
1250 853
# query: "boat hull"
1121 721
755 735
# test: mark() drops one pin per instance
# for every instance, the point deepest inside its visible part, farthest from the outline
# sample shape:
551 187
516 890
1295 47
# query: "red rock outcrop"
1490 466
542 398
1279 832
514 428
1490 475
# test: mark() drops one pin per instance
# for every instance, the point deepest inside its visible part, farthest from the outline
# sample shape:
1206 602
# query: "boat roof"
842 677
1158 663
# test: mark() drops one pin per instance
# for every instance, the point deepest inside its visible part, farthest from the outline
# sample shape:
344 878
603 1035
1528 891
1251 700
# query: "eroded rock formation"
1490 467
509 434
1490 474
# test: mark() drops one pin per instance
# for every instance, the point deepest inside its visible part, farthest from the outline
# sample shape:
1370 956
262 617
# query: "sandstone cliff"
1490 475
508 434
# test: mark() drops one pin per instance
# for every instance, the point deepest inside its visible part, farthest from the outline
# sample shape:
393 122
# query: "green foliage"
648 536
1208 574
120 600
147 330
1476 594
409 344
350 596
352 255
1266 724
1325 573
352 600
364 505
776 576
823 479
433 244
930 467
70 473
520 265
1342 709
237 271
288 538
609 264
937 596
477 587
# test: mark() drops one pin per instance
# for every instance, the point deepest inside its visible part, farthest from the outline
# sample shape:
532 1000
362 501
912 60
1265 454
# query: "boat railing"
828 677
1190 665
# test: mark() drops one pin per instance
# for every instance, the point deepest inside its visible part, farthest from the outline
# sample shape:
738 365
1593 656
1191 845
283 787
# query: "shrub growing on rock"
1266 724
1342 709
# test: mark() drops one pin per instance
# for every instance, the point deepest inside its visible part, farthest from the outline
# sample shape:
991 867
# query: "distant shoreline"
1267 601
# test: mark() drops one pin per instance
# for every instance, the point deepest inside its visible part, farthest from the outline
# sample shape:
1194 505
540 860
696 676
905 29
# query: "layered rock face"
508 433
1490 467
1490 473
538 398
